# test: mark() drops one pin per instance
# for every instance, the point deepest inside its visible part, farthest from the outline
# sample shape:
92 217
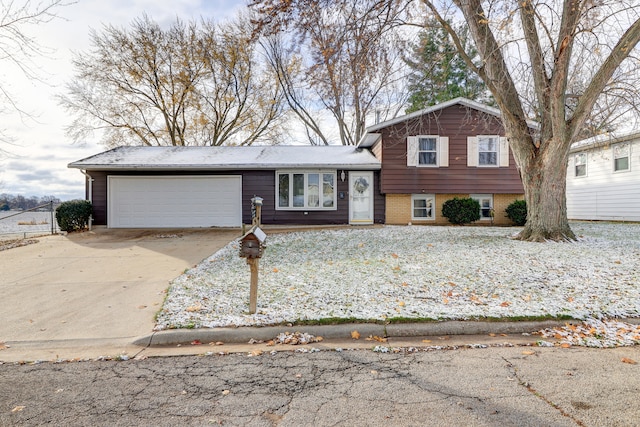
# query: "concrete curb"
342 331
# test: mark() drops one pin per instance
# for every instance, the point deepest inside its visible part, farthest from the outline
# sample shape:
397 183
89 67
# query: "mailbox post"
252 246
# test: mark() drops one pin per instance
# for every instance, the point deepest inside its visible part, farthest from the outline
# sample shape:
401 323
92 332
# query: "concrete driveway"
98 289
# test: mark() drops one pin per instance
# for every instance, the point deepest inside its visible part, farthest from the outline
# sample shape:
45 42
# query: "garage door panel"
187 201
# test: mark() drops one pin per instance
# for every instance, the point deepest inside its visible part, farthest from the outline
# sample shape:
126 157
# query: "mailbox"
252 244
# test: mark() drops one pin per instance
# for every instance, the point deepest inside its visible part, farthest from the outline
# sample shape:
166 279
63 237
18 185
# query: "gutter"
90 195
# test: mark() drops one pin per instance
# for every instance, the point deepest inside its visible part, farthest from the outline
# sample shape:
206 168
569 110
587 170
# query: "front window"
486 205
306 190
423 207
581 164
621 157
488 151
427 151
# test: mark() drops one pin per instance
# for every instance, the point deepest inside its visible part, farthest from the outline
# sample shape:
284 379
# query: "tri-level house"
402 172
454 149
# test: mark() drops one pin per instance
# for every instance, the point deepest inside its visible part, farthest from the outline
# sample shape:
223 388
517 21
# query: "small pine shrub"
461 210
74 215
517 212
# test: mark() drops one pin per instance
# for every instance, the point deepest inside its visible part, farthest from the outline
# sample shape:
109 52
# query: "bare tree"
343 56
191 84
530 54
18 50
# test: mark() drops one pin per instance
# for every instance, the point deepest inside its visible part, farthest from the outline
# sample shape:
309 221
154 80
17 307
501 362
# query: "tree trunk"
544 178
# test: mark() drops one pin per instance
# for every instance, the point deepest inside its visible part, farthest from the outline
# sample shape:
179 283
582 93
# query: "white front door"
360 197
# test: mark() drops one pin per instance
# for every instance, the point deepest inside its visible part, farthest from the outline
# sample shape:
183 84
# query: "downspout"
89 193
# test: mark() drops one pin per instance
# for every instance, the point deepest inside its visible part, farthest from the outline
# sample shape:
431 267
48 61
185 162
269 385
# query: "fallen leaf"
196 342
505 304
452 284
18 408
565 345
270 343
360 245
617 262
492 335
401 304
298 375
142 307
526 298
275 270
629 361
570 299
396 268
426 341
225 392
375 338
445 301
374 372
394 255
528 352
355 335
3 346
255 353
219 343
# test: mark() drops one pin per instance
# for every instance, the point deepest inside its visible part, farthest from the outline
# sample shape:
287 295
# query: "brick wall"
398 209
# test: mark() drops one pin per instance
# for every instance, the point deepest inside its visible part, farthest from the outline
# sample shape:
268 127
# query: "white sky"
37 165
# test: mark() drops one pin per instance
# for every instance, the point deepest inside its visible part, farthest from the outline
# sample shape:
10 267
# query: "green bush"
73 215
461 210
517 212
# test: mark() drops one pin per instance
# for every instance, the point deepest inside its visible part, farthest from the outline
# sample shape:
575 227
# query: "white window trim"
628 156
306 173
473 155
586 165
479 198
442 151
423 197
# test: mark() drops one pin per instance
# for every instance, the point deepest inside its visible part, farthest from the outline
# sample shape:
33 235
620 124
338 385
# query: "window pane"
427 144
313 190
420 203
622 164
488 158
487 144
328 191
427 158
298 190
620 150
581 170
283 190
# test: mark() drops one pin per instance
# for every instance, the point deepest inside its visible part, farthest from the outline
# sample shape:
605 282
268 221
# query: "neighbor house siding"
457 123
604 194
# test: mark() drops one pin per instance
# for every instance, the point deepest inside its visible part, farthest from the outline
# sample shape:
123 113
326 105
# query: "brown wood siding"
456 122
254 183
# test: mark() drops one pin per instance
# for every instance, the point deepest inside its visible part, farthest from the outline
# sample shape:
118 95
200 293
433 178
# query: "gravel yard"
414 272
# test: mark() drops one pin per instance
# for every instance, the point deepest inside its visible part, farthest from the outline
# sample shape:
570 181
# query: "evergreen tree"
439 73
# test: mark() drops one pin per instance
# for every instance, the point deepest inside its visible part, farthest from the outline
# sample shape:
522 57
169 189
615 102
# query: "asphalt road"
505 386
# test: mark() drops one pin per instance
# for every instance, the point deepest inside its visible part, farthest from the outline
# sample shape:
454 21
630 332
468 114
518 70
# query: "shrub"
517 212
461 210
73 215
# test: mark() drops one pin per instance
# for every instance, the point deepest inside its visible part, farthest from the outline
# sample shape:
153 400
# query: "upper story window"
306 190
621 157
580 164
428 151
487 151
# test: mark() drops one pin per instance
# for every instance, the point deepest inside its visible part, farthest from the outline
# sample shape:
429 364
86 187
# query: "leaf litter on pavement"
414 272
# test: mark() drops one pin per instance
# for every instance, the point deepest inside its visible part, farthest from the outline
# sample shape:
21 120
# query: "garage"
174 201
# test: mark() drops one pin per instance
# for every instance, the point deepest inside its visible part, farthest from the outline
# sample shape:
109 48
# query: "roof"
230 158
367 140
604 139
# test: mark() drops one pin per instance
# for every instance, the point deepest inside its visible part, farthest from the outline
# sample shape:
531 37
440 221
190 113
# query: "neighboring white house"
603 178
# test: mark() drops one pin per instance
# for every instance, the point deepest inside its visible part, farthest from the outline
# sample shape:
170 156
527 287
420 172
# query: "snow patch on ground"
414 272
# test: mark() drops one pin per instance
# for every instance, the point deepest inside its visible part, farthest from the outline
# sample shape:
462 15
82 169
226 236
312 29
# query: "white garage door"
174 201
